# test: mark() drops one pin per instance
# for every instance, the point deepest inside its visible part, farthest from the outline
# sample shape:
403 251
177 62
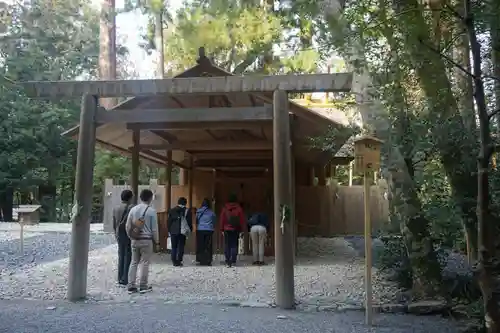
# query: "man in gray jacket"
142 246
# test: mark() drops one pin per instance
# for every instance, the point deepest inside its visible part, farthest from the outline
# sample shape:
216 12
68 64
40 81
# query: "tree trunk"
107 47
160 48
405 203
448 131
495 54
268 57
488 225
6 202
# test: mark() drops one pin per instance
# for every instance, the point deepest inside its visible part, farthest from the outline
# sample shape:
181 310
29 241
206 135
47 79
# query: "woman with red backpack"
232 222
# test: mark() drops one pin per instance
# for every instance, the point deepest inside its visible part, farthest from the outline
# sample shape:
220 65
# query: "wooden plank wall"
322 211
329 211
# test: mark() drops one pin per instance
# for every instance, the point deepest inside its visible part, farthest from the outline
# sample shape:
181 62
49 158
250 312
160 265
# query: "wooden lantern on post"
367 160
367 154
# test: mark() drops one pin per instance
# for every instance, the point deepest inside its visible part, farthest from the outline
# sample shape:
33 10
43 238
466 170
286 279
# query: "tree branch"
445 57
493 113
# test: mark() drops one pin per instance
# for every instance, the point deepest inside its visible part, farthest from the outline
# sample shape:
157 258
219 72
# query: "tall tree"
107 47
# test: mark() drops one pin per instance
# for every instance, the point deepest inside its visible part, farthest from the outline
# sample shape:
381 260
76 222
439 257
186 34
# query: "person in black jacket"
258 226
180 225
120 214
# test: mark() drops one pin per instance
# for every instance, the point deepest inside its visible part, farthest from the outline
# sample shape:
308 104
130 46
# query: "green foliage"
234 39
45 41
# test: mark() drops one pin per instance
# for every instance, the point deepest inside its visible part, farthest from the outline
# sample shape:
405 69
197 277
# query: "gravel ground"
454 263
28 317
332 273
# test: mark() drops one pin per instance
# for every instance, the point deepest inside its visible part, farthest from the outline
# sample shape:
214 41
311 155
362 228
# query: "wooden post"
292 215
183 176
191 179
351 165
136 140
82 207
321 175
312 176
283 233
168 188
368 250
21 224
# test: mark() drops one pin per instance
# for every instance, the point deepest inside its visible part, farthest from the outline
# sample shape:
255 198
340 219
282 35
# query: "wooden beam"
170 138
336 160
215 164
211 145
232 155
240 174
338 82
214 115
219 125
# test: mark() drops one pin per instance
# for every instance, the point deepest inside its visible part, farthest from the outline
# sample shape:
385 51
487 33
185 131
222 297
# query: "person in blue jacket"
205 224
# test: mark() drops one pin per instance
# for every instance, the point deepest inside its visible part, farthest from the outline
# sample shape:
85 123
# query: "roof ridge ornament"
202 57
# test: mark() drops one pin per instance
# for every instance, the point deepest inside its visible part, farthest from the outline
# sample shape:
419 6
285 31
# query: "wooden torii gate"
91 114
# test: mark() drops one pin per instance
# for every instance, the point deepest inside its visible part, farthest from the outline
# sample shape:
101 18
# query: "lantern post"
367 160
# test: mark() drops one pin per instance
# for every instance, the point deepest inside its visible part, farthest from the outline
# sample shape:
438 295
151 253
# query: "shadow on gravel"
43 248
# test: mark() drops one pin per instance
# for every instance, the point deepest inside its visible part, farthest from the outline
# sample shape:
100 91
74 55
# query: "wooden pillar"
168 185
351 166
320 172
328 171
293 216
82 206
368 249
282 174
136 140
191 246
191 182
183 176
312 176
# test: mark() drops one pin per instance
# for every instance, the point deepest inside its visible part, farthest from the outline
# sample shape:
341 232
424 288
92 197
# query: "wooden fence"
340 210
321 211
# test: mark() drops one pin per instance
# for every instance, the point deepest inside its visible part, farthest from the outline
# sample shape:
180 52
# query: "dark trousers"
231 246
178 243
204 247
124 258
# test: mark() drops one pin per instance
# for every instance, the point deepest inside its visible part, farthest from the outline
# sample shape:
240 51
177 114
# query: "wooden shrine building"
228 134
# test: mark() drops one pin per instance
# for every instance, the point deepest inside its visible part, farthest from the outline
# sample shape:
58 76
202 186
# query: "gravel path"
41 273
34 317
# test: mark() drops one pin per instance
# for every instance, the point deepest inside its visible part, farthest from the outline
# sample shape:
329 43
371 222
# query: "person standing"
180 225
142 239
258 226
232 221
205 223
120 214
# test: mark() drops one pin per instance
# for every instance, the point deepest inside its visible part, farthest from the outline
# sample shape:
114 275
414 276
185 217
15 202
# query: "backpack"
179 216
135 229
185 230
233 220
123 222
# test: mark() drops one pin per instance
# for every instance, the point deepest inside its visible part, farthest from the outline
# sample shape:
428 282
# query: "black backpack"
123 221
